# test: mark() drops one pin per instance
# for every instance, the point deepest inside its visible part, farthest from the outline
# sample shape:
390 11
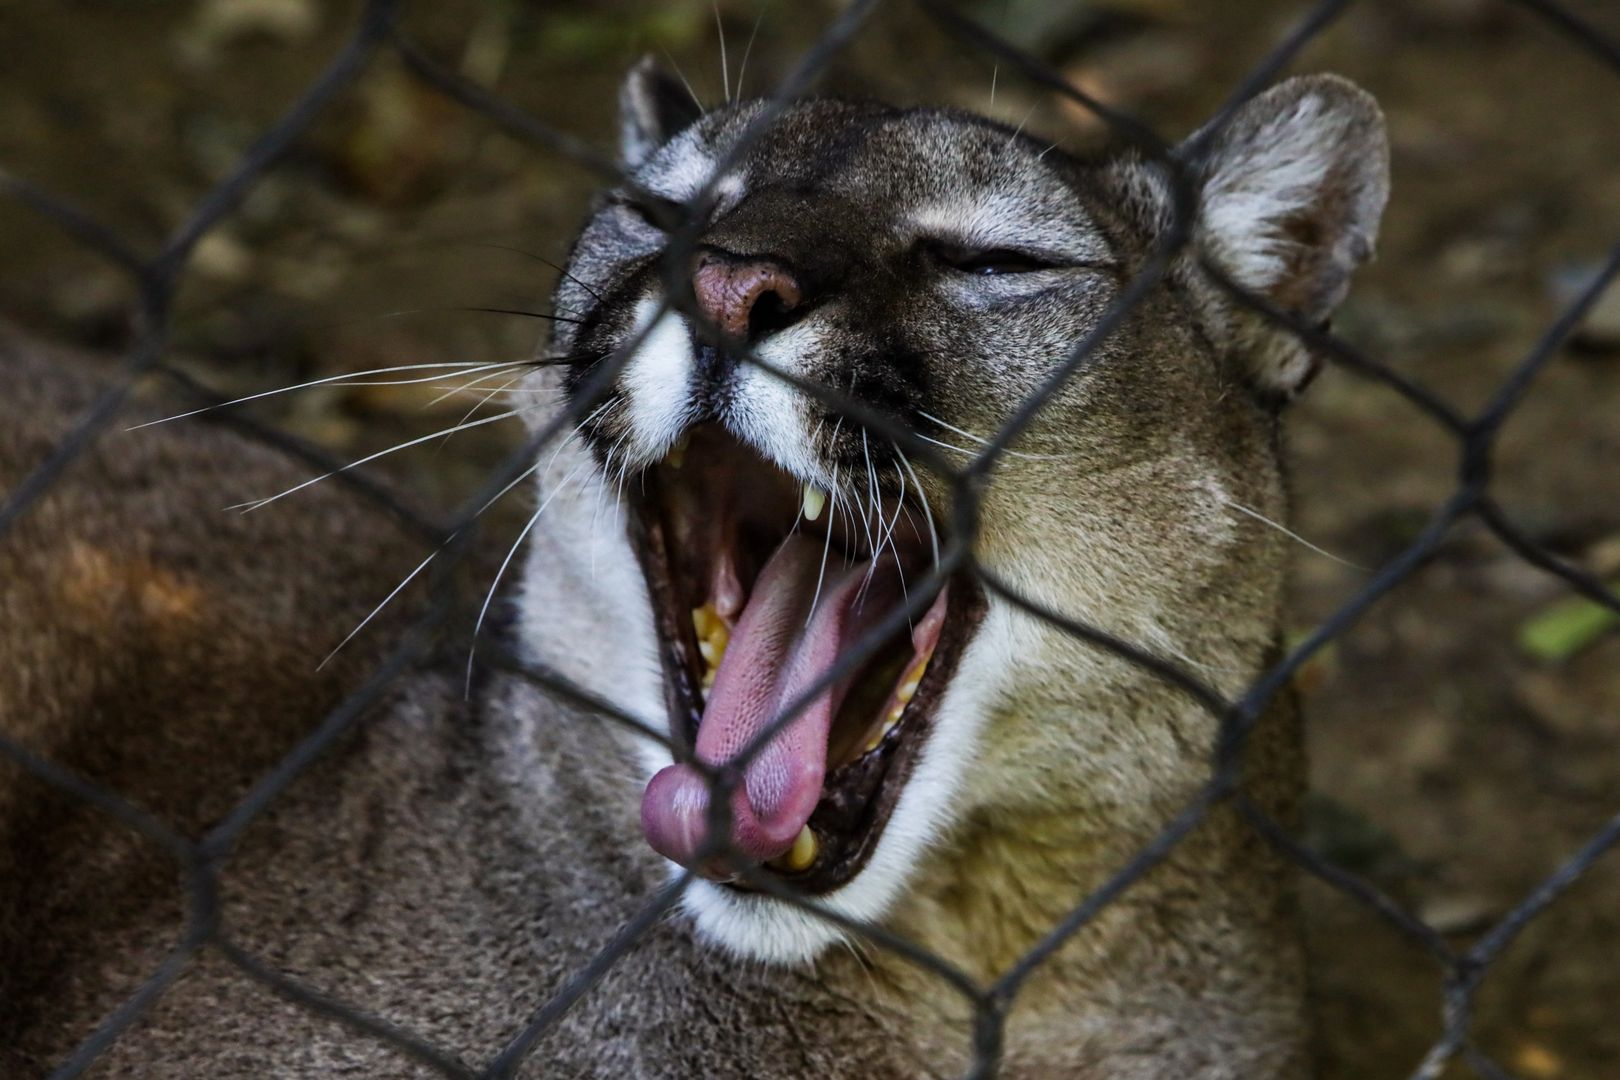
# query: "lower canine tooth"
801 854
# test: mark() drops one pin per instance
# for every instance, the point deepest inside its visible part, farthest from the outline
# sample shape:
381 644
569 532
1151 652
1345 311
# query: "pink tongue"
773 658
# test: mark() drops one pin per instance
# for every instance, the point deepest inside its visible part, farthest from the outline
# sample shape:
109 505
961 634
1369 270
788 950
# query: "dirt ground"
1453 765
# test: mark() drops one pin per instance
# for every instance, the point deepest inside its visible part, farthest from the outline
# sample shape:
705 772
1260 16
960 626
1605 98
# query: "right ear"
1292 190
654 107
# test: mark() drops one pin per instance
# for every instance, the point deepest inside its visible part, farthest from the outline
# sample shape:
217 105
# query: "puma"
709 539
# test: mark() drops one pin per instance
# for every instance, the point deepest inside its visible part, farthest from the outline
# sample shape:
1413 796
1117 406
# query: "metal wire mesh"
1475 435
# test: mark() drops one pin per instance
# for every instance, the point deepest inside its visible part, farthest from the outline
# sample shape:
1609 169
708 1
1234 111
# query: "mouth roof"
760 584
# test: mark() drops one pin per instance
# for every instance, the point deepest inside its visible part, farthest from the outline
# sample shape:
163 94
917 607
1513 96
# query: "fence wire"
376 31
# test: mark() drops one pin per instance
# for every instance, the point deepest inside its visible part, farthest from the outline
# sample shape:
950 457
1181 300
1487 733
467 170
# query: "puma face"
938 269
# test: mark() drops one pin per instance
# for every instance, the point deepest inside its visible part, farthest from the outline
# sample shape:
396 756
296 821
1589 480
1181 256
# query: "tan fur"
453 864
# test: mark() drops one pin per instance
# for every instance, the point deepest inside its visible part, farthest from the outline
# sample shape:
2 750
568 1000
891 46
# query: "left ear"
1290 194
653 108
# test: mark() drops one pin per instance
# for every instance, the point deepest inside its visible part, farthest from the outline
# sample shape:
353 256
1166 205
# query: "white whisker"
872 497
1019 130
725 66
1240 508
472 385
385 602
682 76
335 380
252 505
948 446
472 648
826 547
468 415
982 441
933 533
742 71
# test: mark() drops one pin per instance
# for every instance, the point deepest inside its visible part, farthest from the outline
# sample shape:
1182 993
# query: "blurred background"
1465 735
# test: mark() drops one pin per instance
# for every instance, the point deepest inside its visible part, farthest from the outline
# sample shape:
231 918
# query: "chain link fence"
1475 436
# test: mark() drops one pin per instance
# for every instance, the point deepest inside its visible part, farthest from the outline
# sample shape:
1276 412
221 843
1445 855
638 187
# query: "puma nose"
745 297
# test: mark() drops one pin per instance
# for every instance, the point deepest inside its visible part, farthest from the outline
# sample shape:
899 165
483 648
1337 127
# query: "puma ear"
653 108
1290 194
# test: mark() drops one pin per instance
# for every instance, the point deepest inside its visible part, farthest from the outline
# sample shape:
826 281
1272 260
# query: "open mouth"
760 583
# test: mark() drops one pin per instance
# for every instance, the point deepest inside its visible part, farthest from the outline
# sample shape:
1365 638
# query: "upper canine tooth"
677 453
814 500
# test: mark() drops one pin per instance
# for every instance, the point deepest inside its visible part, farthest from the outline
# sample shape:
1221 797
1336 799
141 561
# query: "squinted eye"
987 263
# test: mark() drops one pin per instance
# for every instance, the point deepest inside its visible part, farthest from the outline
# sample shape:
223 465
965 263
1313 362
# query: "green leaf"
1565 628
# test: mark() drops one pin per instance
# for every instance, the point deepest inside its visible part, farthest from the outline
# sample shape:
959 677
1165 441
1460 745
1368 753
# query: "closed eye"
988 262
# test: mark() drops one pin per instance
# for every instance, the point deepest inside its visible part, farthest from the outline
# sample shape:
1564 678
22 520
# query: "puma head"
715 536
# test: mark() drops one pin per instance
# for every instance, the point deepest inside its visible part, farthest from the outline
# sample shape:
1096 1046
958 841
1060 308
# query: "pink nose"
730 289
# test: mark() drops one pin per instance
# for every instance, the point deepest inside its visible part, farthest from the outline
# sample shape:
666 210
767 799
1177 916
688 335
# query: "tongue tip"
675 819
674 812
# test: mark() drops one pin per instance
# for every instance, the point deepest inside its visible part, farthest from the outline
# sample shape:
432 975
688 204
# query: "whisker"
826 547
725 67
472 386
491 501
251 505
743 70
385 602
684 82
543 261
933 533
894 548
497 311
949 446
561 445
871 494
980 439
489 597
468 415
1240 508
334 380
1019 130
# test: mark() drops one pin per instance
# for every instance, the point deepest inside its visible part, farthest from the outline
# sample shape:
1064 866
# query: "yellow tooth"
908 689
712 636
801 854
814 500
677 453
